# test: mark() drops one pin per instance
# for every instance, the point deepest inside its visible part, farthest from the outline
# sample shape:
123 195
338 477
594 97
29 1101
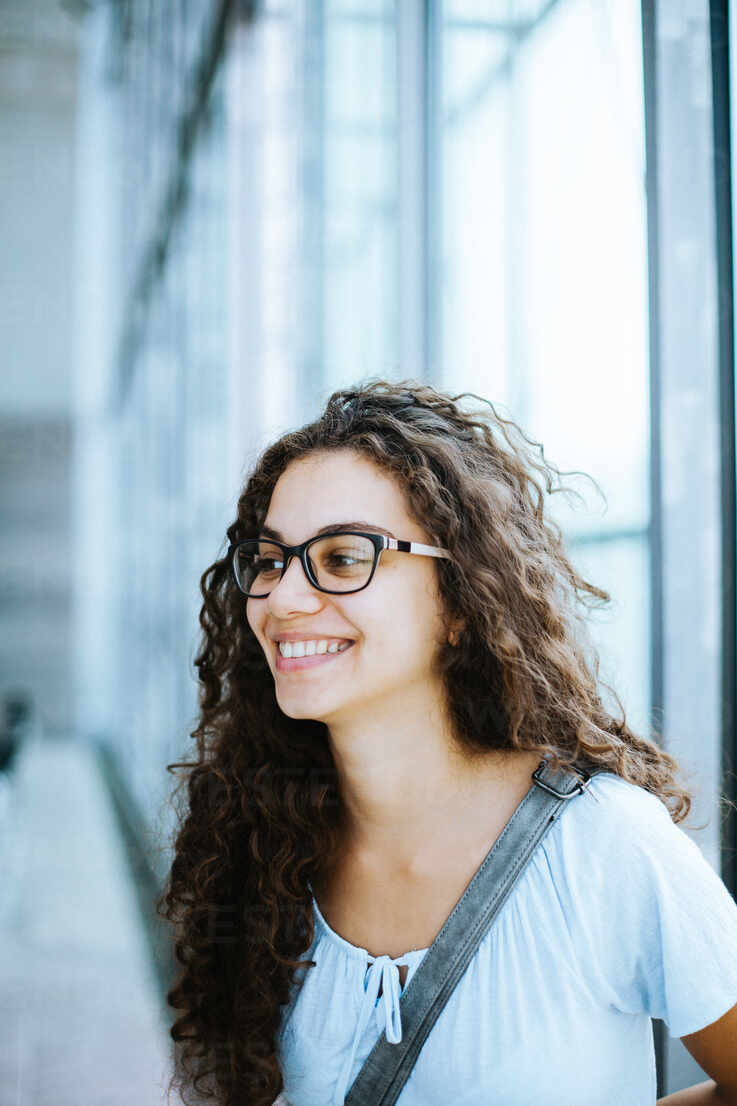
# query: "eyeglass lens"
339 562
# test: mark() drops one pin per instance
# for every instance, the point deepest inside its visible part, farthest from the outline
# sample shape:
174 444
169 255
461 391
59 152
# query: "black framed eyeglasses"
339 562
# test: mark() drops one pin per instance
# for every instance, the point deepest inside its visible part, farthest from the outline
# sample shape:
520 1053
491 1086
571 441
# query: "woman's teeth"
309 648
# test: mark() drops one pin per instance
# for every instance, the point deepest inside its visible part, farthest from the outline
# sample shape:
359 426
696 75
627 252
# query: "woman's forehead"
331 488
342 473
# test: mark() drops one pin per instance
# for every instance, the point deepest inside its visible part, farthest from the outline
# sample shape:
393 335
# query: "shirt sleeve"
659 927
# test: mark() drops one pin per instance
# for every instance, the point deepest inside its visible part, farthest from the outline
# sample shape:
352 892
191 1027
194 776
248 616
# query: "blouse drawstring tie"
385 973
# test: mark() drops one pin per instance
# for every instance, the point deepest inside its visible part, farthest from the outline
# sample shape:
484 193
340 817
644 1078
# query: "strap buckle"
577 790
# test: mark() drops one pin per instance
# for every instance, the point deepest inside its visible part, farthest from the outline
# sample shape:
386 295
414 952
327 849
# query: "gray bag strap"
387 1066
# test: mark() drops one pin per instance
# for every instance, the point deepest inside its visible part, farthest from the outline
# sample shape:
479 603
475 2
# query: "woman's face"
395 624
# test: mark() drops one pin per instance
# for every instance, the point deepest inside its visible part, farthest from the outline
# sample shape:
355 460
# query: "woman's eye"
267 564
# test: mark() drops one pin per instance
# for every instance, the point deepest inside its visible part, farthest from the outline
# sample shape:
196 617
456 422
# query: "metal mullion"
312 354
602 537
513 28
657 629
687 425
656 482
433 191
411 86
719 36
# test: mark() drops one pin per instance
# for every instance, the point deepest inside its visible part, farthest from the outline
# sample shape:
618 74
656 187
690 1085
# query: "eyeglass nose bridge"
300 552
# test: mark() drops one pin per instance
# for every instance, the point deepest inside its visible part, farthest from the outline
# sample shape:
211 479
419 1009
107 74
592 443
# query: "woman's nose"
294 592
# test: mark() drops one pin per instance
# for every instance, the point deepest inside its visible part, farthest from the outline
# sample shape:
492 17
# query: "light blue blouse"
617 919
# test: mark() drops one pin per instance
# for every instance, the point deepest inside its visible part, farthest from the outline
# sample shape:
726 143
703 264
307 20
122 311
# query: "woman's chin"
301 706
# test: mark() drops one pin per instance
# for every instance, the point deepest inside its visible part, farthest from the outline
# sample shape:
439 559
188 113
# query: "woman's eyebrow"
269 532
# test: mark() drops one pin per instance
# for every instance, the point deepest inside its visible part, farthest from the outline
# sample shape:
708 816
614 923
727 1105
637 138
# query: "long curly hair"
262 814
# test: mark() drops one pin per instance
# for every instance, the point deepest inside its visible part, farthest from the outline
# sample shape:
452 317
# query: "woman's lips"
294 664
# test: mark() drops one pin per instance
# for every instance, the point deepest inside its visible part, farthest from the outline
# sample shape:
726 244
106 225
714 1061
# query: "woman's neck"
403 798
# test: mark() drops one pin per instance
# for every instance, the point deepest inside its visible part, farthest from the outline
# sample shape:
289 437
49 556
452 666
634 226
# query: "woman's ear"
455 631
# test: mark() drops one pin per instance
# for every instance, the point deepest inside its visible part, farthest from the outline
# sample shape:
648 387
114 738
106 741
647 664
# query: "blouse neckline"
381 973
356 951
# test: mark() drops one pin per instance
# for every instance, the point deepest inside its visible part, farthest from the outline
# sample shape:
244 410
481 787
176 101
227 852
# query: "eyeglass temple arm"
416 547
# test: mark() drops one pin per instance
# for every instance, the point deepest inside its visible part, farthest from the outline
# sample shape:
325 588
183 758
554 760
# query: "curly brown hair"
262 816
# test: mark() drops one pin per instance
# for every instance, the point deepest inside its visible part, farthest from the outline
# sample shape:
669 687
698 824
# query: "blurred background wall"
38 111
216 212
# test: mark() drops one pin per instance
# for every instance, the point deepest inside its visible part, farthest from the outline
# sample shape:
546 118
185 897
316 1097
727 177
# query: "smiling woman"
405 764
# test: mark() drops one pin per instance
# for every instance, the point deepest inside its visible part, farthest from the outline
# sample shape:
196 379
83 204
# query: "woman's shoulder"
614 804
616 848
618 827
639 906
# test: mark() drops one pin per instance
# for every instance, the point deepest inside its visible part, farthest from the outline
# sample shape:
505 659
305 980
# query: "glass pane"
621 633
358 199
543 290
475 291
542 286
